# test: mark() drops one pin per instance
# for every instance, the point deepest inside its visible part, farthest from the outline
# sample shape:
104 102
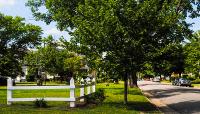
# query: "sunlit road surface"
184 100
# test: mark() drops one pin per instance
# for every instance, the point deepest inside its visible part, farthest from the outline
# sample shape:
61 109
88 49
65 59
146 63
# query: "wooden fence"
90 84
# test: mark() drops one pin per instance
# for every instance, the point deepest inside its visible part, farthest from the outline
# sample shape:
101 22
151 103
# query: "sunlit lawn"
196 85
166 82
112 105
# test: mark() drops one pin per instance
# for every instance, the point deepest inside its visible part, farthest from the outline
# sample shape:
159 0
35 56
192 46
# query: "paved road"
184 100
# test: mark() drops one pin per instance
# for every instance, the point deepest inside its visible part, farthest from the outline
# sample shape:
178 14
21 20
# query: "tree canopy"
130 32
15 38
192 53
54 59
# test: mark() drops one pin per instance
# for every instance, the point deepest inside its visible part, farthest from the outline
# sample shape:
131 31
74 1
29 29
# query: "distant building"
24 74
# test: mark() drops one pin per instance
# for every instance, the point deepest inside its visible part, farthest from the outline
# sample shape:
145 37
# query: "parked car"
181 82
184 82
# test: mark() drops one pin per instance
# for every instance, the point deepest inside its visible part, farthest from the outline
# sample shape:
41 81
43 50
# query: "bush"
41 103
30 78
3 81
197 81
100 80
191 78
97 97
184 76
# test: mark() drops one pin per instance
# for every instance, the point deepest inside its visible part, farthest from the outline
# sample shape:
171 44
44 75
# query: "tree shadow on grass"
141 106
145 107
135 106
3 90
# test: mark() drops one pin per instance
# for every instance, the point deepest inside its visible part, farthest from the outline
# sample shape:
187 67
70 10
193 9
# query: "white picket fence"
72 99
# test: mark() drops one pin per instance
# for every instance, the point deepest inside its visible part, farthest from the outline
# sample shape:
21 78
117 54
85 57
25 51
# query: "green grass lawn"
196 85
166 82
113 103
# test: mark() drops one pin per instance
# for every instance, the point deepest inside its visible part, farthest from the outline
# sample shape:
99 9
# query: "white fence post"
93 85
82 90
88 86
72 92
9 91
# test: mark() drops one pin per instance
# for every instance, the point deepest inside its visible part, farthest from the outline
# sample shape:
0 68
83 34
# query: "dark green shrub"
191 78
99 80
184 76
97 97
41 103
110 81
3 81
30 78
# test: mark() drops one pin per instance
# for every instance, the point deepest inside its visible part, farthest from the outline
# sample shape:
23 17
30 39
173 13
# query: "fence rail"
72 99
39 87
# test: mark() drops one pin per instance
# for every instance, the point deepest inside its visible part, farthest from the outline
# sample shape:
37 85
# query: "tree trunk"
179 74
130 81
116 81
13 81
54 78
170 77
125 88
160 77
61 79
134 79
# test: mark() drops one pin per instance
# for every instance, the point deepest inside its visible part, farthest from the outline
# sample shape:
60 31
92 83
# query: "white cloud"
7 3
52 31
56 33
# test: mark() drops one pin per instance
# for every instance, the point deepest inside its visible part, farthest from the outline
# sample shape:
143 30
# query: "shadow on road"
186 107
161 93
186 99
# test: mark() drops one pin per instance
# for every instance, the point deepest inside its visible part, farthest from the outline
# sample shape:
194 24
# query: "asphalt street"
172 99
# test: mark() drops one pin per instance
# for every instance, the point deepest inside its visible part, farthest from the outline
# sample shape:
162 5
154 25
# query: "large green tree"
15 38
54 59
192 53
129 32
169 60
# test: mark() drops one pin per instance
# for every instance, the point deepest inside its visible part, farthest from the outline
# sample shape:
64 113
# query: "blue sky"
18 8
